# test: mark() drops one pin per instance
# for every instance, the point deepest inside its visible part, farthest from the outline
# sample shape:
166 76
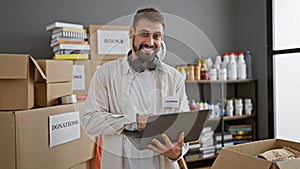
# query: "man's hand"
171 150
141 120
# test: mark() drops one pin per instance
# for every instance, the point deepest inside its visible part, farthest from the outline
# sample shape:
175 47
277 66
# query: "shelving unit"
219 91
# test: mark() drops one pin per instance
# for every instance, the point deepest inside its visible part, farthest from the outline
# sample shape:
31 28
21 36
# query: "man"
125 92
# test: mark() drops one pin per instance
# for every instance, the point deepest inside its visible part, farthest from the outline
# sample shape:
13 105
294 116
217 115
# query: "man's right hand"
141 120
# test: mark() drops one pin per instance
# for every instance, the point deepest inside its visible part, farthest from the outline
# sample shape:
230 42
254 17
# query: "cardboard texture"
24 141
17 81
55 71
80 76
96 63
48 94
84 165
244 156
93 41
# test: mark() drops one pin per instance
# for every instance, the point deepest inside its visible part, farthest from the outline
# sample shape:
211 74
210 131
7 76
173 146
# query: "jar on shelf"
197 71
190 72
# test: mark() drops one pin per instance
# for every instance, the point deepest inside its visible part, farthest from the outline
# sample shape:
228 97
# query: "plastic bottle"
241 66
197 71
229 107
238 103
182 71
225 60
248 59
232 67
193 105
218 61
209 62
248 106
190 72
204 72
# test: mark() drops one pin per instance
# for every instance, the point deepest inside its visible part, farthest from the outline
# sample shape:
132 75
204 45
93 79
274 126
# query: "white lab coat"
106 109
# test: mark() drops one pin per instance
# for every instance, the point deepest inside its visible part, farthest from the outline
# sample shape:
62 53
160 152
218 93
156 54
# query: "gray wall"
229 25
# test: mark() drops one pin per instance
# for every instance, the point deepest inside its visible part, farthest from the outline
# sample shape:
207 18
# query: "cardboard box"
84 165
48 94
81 77
96 63
244 156
17 81
24 141
55 71
108 42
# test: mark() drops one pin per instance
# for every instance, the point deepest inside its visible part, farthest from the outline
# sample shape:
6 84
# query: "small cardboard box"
25 140
244 156
48 94
81 77
108 41
17 81
55 71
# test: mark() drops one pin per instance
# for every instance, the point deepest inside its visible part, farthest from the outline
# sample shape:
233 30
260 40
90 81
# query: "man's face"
146 39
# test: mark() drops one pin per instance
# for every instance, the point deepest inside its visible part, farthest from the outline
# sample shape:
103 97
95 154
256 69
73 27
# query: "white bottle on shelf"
218 62
209 62
238 107
229 107
248 107
241 66
232 67
225 60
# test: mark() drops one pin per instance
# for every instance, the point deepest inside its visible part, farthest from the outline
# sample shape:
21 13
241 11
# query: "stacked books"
241 133
69 41
207 145
202 148
193 153
227 140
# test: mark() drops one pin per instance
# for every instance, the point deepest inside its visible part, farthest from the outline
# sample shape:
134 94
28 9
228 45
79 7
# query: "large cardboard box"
55 71
244 156
24 141
81 78
17 81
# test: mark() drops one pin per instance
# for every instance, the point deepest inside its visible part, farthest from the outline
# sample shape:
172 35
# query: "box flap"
38 68
13 66
289 164
55 71
228 159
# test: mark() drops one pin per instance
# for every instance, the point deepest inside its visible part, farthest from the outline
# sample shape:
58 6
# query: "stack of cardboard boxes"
25 129
30 92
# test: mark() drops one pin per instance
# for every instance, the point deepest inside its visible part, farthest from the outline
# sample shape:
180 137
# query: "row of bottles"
233 66
233 107
236 107
203 105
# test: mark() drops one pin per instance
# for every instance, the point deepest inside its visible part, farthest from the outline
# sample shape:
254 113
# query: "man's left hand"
169 149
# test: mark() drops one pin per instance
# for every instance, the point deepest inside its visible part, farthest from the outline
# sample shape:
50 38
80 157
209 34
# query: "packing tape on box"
69 99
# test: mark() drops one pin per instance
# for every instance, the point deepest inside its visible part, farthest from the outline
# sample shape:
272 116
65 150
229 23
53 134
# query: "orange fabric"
98 153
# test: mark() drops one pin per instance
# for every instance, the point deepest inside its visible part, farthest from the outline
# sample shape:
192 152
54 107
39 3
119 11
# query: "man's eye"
144 34
156 36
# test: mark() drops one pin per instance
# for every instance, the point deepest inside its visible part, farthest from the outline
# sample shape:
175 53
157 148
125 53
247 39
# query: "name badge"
171 102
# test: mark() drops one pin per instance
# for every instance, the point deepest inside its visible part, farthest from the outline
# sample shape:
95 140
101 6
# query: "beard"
142 56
